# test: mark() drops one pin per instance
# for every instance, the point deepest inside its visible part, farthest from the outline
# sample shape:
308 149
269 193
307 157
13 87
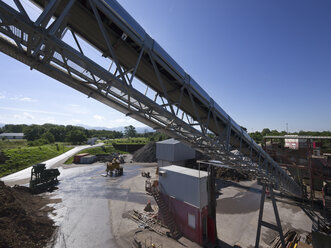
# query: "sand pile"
232 175
22 223
146 154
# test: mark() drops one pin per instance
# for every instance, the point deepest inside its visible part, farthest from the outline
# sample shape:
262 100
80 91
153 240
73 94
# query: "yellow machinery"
114 168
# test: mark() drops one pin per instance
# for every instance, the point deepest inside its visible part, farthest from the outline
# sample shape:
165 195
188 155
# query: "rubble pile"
146 154
293 238
23 223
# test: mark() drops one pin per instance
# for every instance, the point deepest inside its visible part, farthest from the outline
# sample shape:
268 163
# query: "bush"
38 142
49 137
76 137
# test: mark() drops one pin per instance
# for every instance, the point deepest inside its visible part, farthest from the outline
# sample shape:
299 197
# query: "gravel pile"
146 154
232 175
22 222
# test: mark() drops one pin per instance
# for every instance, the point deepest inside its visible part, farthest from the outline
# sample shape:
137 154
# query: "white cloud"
28 116
27 99
34 111
76 109
24 116
2 96
22 98
75 122
125 122
98 117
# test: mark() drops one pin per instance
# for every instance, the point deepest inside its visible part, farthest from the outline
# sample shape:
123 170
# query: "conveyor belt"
179 107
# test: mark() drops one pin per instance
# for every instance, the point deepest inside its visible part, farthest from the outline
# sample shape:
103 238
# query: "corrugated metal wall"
184 187
174 151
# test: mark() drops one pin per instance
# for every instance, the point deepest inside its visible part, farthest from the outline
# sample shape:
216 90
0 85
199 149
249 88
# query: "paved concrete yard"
91 209
237 215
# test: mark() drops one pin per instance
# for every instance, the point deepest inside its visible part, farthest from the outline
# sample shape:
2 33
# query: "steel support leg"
261 223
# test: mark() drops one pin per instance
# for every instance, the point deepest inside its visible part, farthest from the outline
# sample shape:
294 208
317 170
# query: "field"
16 155
10 144
101 150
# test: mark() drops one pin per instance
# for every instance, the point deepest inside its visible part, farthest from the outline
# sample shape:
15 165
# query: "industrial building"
295 142
185 203
303 157
185 191
12 136
173 152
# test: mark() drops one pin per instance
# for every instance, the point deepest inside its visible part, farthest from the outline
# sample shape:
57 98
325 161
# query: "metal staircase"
167 216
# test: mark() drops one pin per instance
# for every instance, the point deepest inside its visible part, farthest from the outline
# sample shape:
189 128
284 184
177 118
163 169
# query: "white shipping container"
184 184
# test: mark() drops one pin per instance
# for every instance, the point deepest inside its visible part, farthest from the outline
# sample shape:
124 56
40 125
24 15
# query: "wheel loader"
114 168
42 178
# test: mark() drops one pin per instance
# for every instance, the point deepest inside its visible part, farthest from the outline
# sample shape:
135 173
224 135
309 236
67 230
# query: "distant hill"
120 129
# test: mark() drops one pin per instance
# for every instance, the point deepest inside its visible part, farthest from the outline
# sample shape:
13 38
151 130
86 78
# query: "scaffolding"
305 161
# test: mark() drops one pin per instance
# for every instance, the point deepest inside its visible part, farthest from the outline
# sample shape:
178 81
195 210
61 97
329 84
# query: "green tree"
257 137
49 137
76 136
244 128
33 132
130 131
265 131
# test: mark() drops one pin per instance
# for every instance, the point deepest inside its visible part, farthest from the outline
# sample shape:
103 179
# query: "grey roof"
11 134
168 141
185 171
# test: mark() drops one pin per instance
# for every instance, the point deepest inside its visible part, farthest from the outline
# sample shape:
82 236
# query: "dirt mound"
146 154
22 222
232 174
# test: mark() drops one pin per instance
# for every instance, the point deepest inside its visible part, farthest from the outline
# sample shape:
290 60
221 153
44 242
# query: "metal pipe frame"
41 46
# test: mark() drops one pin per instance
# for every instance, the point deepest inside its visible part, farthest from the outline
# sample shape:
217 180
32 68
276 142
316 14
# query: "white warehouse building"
12 136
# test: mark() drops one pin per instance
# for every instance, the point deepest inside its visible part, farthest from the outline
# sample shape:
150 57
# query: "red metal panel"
78 156
180 211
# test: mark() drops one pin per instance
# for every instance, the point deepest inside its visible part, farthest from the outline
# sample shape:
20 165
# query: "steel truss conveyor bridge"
168 99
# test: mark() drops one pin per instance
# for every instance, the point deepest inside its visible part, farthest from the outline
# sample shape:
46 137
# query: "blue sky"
266 63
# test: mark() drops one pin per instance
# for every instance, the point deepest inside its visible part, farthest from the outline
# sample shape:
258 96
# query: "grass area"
100 150
138 140
15 159
10 144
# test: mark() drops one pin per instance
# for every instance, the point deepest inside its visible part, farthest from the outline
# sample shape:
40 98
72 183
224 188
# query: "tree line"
50 133
258 136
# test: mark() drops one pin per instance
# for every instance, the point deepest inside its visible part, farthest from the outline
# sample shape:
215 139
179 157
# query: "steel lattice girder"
40 45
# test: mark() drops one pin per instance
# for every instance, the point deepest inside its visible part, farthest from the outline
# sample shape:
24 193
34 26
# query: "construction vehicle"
114 168
145 174
42 178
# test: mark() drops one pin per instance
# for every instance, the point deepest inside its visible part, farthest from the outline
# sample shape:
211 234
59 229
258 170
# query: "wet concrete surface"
85 216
